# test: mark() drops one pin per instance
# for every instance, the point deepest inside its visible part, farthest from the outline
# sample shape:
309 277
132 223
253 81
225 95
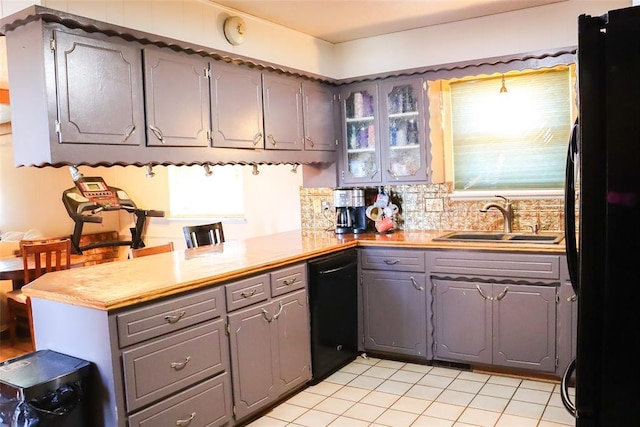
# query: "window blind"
515 140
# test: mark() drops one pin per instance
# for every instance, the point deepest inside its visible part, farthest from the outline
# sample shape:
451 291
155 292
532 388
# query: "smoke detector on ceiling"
234 30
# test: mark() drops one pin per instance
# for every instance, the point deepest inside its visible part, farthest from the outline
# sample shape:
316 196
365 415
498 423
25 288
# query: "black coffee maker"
342 201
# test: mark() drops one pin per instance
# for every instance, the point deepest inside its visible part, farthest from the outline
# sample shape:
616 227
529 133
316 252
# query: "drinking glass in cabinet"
401 100
359 105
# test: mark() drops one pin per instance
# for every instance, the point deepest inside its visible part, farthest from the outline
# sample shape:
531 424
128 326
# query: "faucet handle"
503 198
535 228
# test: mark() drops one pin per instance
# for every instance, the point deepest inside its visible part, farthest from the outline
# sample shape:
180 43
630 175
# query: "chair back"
152 250
47 255
207 234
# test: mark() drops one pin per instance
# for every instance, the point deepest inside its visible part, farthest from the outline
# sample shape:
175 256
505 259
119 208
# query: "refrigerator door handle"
564 389
570 209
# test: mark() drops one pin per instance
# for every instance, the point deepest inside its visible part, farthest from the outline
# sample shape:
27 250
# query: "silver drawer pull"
503 293
289 282
248 294
179 365
415 284
391 261
182 423
175 318
572 298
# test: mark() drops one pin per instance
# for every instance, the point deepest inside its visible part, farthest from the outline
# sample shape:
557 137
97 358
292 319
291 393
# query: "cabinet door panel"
360 160
524 328
99 91
282 113
293 340
319 126
177 99
395 312
254 356
463 324
402 132
236 107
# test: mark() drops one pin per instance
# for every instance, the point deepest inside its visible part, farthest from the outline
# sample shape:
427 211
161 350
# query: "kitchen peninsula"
133 317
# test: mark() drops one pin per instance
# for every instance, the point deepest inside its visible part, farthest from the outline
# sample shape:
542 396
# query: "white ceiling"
338 21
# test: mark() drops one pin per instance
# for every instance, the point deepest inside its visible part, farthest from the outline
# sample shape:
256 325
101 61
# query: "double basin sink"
497 237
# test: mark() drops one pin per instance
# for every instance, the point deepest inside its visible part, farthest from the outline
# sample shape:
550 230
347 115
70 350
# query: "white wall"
527 30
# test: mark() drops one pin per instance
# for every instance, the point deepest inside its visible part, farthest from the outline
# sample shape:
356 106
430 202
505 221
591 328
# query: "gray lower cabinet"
393 288
269 339
503 325
175 357
487 310
176 98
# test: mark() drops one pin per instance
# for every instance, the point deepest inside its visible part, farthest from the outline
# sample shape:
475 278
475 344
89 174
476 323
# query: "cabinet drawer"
288 279
156 369
165 317
207 404
246 292
472 264
392 260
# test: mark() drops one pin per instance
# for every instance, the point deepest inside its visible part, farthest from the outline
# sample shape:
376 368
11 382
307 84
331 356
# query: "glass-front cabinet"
403 121
385 138
361 155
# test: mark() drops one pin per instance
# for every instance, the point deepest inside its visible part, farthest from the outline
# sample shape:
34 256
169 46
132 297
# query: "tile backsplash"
430 207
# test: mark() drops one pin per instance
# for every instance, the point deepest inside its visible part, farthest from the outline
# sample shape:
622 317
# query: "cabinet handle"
174 318
572 298
289 282
248 294
128 134
308 138
275 316
265 314
257 138
179 365
391 261
503 293
415 284
186 422
272 140
372 175
482 294
157 132
393 175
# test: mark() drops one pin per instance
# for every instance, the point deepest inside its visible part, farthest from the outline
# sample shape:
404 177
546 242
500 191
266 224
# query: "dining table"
12 268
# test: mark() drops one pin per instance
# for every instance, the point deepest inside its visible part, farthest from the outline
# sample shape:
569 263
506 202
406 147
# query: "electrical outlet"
326 205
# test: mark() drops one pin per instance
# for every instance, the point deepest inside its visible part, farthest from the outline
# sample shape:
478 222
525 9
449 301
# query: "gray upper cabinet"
68 88
236 112
177 98
319 108
402 130
283 126
99 90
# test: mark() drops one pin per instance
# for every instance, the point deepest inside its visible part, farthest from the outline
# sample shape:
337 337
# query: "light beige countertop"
120 284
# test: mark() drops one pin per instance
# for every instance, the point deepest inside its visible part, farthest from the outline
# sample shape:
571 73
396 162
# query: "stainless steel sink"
493 237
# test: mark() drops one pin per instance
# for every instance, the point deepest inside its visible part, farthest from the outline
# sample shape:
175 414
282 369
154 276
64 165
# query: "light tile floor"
377 392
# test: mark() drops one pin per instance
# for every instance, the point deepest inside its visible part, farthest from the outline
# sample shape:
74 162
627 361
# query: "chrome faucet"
506 210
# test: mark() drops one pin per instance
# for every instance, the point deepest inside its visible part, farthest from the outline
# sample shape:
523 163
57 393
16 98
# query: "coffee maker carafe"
342 201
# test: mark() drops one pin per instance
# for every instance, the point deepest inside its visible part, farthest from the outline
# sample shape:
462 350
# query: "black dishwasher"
333 301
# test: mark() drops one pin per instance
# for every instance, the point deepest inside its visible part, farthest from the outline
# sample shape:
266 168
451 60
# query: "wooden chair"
207 234
47 255
152 250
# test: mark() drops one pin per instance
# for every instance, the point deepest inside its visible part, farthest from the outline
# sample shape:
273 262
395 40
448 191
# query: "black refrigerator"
603 170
